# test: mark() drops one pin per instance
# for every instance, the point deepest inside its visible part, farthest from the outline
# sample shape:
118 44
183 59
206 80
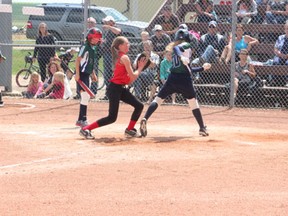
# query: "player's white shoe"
143 127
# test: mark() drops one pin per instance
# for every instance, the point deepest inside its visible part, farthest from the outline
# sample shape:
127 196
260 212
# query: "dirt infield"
46 168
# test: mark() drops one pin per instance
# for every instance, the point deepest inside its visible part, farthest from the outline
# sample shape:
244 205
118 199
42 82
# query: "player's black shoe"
86 134
1 103
143 127
203 131
131 133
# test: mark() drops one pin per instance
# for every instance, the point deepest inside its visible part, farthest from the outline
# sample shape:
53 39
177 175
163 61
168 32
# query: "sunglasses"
243 53
211 26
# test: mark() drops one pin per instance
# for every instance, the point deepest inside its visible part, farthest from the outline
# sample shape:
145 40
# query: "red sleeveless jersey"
120 75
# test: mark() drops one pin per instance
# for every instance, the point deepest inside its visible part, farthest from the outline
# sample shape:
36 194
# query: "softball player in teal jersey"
179 81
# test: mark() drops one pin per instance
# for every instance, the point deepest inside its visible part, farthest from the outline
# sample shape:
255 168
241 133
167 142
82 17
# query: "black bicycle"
23 76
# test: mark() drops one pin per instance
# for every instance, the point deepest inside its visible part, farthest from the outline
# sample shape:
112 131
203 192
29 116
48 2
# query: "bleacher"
213 83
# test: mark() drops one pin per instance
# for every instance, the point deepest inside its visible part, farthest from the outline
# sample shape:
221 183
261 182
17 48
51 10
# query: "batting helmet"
182 34
94 33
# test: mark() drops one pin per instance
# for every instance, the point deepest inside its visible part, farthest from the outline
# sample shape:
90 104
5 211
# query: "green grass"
18 19
18 61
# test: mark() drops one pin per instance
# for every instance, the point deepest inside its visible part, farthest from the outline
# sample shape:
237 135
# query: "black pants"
115 93
43 66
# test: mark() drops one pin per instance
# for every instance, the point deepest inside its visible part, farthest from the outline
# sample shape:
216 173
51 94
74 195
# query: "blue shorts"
178 83
85 78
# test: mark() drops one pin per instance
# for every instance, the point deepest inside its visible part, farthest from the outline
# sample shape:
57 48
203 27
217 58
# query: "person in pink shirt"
35 86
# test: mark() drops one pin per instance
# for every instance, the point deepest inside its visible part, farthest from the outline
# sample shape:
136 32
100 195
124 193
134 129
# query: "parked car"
66 21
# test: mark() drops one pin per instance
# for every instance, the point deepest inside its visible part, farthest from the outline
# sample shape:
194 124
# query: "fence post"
5 41
232 68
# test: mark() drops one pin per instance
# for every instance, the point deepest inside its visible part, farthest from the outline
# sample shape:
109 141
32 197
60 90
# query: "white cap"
157 28
108 18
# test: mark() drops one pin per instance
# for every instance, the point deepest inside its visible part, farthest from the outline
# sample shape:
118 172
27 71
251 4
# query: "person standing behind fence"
44 54
179 81
123 75
169 21
111 31
84 67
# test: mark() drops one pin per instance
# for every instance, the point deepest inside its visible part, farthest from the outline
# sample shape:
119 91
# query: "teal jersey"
177 64
88 55
165 67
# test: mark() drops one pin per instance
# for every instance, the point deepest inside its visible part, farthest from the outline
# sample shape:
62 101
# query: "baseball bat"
86 88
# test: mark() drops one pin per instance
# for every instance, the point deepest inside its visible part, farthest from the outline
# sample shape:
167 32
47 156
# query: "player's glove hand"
143 55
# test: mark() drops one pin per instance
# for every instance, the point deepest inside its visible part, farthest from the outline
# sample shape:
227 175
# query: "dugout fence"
214 87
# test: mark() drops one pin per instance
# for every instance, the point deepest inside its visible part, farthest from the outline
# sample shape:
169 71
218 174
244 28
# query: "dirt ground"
46 168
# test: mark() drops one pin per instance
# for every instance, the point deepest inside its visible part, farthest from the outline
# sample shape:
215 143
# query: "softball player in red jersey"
116 90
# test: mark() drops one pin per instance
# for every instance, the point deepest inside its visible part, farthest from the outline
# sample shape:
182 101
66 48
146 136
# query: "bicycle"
23 76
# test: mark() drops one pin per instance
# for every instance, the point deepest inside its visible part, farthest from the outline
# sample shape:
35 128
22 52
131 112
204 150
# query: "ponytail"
115 49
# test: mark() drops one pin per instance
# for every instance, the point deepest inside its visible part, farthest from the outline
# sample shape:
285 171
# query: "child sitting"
35 86
56 87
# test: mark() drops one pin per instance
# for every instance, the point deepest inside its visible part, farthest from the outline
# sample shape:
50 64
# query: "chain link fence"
245 42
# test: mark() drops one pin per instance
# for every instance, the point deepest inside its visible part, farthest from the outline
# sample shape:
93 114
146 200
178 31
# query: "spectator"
242 42
111 31
52 68
259 2
244 73
205 11
44 54
210 45
57 86
165 66
35 86
91 23
281 57
65 60
169 21
144 37
160 40
277 11
247 12
147 76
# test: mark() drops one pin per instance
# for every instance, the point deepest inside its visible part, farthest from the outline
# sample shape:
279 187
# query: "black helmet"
182 34
94 33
